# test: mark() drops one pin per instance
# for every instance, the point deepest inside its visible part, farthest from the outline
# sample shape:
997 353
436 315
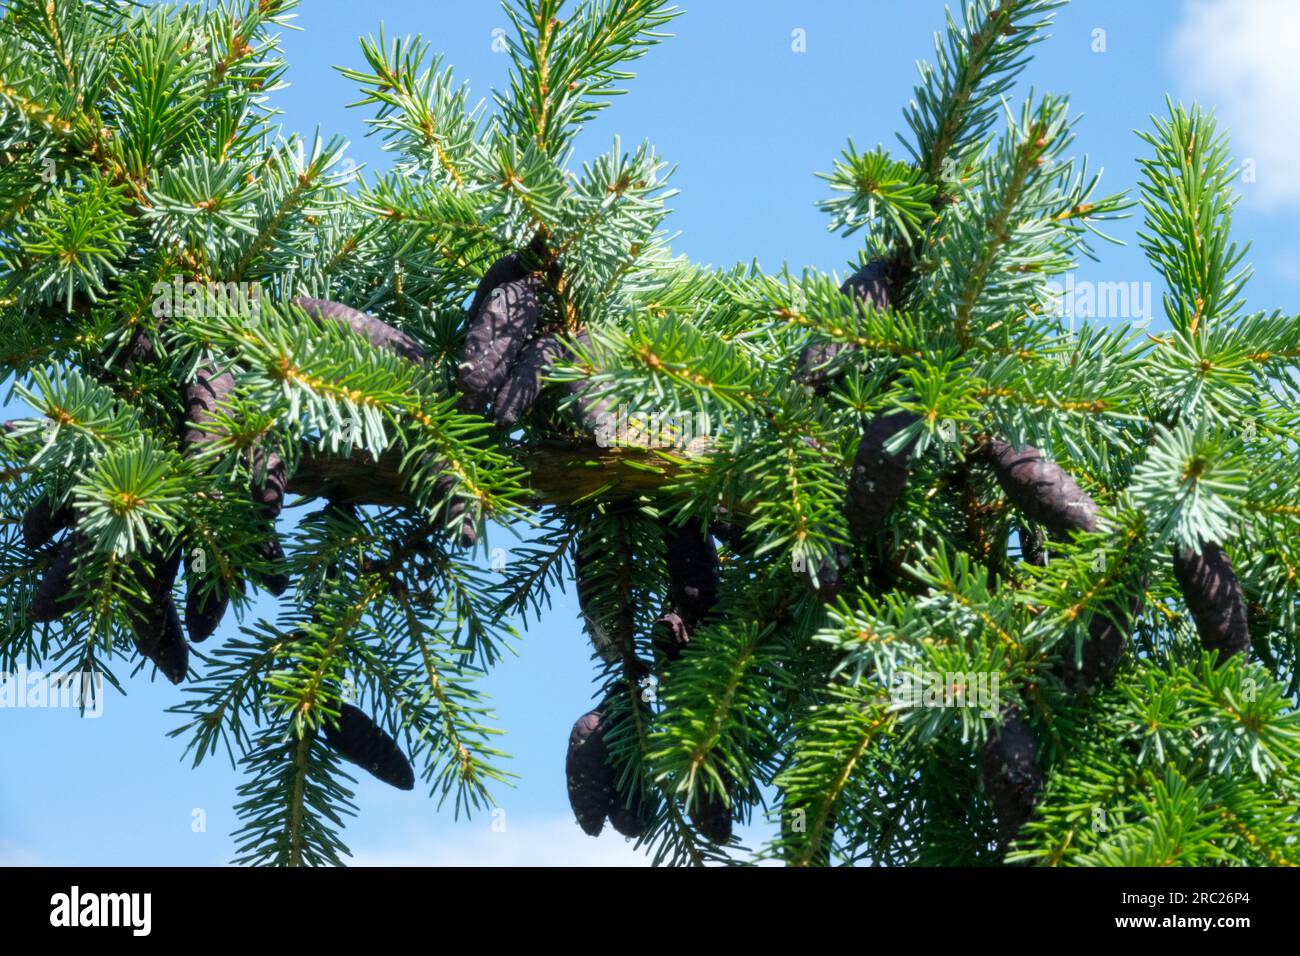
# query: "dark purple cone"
816 364
378 333
1102 650
712 818
878 475
50 603
139 349
456 513
1214 598
1041 489
502 326
270 481
270 551
209 389
630 821
203 612
359 739
171 654
831 575
870 286
518 395
693 582
588 774
1012 777
693 577
509 268
602 641
1031 546
591 413
41 523
670 636
154 621
726 532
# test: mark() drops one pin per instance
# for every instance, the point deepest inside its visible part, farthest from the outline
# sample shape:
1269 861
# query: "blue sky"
748 121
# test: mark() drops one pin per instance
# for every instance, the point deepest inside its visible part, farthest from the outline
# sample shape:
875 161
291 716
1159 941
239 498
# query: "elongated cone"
870 286
498 331
592 413
584 578
509 268
518 395
630 818
377 332
203 396
203 612
878 475
171 654
1214 598
588 774
269 484
1041 489
42 522
831 575
154 621
455 513
1031 546
712 818
50 603
670 635
271 551
359 739
693 582
1103 649
726 532
1012 777
693 575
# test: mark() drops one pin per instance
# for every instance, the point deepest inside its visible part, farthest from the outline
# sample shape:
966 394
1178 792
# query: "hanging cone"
1012 777
498 331
1041 489
42 522
712 818
870 286
357 738
521 390
591 413
588 774
878 475
1214 598
377 332
50 603
203 397
203 612
693 571
631 821
155 624
1032 550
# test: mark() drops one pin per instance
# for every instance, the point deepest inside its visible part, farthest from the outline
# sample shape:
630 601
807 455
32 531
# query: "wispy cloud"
13 855
1243 57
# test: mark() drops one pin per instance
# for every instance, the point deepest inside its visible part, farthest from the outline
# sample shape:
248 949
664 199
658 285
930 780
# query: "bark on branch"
559 473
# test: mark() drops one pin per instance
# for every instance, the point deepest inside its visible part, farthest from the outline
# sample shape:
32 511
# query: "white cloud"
535 842
13 855
1243 57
